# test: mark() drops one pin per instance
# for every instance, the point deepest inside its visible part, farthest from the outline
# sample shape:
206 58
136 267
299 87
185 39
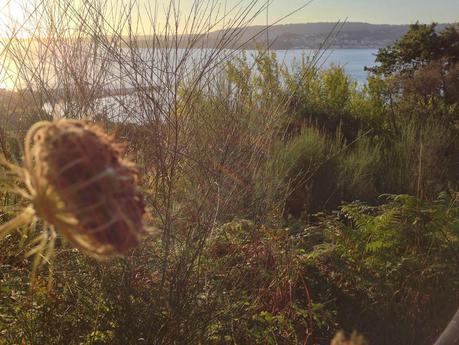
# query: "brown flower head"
79 184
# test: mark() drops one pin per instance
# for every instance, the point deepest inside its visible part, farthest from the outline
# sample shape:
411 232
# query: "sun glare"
13 15
13 25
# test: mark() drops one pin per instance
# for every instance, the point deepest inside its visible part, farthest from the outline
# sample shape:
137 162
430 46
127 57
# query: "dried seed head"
83 187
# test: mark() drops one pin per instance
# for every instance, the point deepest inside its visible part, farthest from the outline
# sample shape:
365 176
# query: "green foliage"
423 64
257 270
360 170
249 250
400 266
297 165
421 45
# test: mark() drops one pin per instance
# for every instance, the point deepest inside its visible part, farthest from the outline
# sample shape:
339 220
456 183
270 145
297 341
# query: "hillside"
310 35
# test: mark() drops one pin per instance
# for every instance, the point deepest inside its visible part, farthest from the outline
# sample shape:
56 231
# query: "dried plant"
76 181
355 339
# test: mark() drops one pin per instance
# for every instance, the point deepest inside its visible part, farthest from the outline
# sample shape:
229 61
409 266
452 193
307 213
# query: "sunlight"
12 18
256 171
13 25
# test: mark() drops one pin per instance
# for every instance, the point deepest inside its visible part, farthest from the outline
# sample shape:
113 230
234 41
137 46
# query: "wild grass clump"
301 165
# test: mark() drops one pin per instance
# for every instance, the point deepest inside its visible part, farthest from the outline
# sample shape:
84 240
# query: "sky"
371 11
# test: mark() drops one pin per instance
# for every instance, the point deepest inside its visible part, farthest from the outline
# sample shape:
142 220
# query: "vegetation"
284 204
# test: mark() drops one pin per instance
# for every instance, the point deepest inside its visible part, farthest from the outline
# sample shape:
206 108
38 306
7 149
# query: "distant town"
349 35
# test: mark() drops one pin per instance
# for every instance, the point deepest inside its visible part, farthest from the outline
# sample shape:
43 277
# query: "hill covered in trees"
310 35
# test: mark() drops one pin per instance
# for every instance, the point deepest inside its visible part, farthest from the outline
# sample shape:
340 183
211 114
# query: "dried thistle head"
79 184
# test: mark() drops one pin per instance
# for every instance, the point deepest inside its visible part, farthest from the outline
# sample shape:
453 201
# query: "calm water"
353 60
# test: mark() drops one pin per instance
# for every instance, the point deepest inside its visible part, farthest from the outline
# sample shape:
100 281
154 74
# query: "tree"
419 47
424 63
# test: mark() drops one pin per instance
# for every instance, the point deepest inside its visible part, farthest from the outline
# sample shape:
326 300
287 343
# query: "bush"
305 167
395 268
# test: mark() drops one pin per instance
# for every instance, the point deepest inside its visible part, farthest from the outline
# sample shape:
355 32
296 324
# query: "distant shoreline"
349 35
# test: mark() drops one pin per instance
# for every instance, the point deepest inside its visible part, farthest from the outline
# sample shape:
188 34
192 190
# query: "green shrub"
360 170
305 167
395 268
420 159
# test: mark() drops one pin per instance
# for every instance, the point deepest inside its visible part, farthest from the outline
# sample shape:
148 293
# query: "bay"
353 61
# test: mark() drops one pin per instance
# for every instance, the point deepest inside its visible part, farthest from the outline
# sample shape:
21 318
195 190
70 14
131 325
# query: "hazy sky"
373 11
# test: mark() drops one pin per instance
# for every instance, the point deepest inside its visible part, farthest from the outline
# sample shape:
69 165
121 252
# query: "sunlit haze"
14 12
